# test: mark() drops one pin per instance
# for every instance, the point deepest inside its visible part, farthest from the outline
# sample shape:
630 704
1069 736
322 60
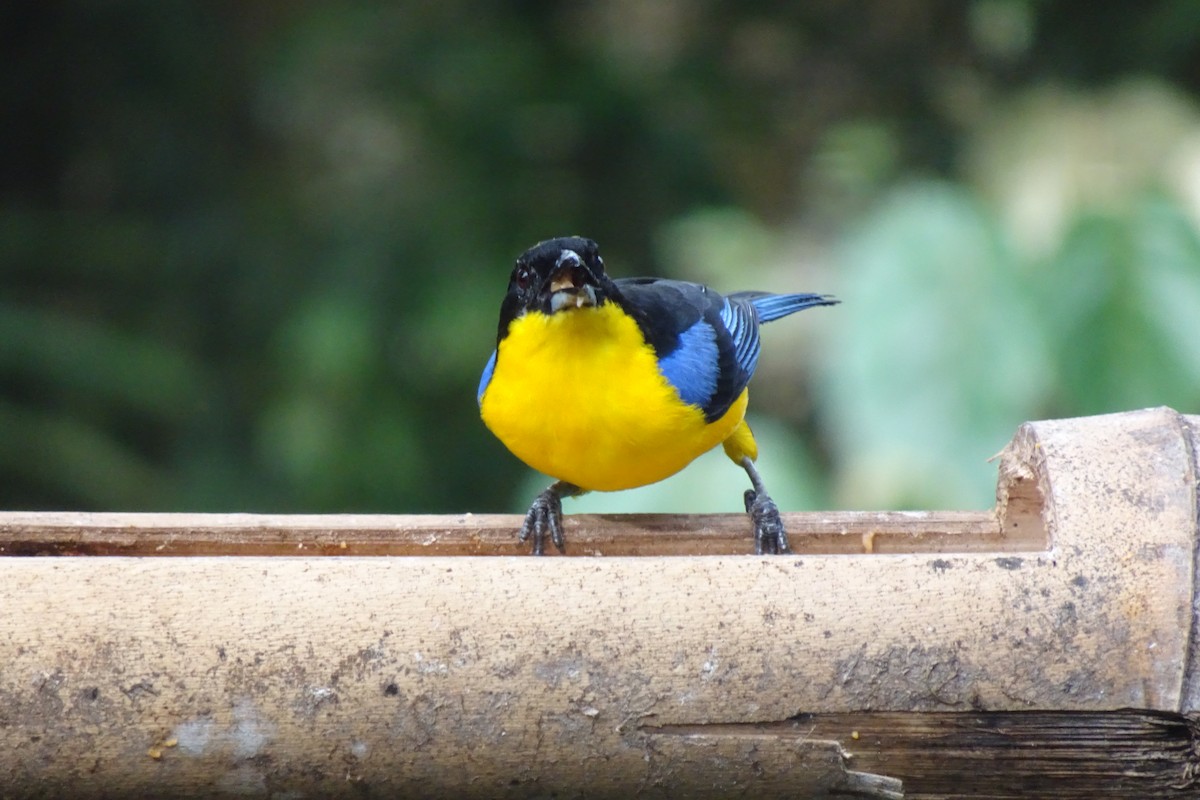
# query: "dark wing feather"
685 324
663 309
707 345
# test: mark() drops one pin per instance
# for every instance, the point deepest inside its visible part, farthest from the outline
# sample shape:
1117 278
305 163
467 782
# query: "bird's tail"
773 306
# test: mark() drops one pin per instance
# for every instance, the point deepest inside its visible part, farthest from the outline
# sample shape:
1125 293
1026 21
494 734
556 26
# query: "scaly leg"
546 515
769 535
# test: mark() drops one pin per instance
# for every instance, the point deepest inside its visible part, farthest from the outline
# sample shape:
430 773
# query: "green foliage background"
252 253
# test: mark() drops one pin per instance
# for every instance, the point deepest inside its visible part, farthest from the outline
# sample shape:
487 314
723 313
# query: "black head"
556 276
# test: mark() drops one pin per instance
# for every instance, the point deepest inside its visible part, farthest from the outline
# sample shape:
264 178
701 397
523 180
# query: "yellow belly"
578 395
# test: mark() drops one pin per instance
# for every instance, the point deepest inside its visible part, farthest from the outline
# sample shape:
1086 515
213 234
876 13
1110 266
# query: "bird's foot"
769 536
545 516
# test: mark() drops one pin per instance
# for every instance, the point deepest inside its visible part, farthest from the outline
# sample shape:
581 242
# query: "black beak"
570 284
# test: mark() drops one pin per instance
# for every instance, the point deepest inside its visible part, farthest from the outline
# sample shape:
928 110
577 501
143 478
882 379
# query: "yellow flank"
578 395
741 443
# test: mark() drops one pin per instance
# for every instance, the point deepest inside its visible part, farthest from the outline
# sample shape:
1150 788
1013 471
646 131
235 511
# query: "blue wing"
486 378
692 367
707 345
743 312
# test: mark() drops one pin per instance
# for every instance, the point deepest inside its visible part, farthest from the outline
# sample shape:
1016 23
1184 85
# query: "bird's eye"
523 277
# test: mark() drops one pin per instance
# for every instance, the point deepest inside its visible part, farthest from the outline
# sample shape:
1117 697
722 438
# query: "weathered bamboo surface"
1067 755
924 655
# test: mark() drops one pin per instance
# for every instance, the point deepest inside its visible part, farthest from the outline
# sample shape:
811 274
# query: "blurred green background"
253 252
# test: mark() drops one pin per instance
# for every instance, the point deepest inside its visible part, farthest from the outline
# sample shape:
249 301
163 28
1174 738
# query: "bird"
609 384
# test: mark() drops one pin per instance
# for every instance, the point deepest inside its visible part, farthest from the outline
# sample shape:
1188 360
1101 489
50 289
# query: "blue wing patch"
692 366
739 319
486 378
743 312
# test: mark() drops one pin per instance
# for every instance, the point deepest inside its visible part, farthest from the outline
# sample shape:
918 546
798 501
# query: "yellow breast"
578 395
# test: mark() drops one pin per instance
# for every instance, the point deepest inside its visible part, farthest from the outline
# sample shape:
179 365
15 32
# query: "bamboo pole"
309 665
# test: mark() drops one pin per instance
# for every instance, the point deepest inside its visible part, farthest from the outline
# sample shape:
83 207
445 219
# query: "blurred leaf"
716 246
52 454
1048 157
1121 302
855 158
329 344
934 357
70 352
1169 249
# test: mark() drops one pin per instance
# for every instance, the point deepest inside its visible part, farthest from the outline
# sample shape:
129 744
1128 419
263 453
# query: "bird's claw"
769 536
544 515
